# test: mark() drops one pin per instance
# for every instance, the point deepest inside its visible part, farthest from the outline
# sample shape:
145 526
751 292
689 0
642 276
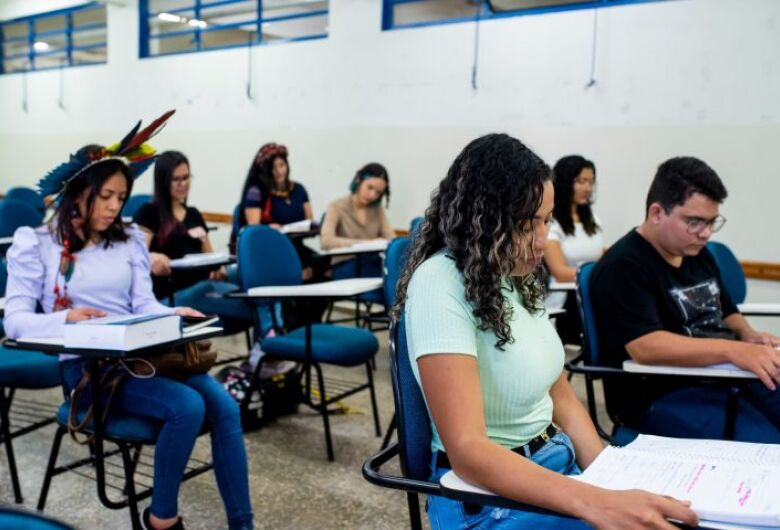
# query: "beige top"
342 227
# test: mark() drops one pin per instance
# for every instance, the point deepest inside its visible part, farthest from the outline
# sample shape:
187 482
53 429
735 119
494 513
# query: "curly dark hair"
566 170
490 195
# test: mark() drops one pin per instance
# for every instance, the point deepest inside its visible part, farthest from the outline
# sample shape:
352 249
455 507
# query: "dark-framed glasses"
697 224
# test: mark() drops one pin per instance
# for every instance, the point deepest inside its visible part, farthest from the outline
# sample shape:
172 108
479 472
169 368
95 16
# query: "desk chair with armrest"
266 257
134 203
128 432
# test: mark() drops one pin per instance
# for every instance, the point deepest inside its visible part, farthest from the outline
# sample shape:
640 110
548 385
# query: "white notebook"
199 260
726 482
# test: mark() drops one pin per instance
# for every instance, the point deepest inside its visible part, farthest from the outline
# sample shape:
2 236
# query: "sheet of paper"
718 491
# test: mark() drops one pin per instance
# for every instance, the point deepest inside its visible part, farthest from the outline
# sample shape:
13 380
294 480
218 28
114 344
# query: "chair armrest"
759 309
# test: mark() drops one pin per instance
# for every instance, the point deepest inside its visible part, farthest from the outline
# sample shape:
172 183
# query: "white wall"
695 77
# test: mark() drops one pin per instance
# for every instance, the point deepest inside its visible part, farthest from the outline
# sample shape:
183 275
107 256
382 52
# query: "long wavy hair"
92 179
566 170
164 167
487 200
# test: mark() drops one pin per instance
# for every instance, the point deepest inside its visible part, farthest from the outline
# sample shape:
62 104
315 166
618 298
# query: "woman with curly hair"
489 362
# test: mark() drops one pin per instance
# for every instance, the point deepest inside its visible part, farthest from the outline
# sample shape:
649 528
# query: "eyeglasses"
697 224
182 179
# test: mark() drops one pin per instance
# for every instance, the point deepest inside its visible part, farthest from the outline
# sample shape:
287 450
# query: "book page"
720 450
718 491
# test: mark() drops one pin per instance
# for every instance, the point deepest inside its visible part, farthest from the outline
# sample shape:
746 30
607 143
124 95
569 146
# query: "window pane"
229 37
95 55
15 31
51 60
514 5
55 23
432 10
295 28
89 16
16 65
181 43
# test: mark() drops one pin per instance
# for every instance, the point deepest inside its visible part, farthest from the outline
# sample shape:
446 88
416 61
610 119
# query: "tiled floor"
293 486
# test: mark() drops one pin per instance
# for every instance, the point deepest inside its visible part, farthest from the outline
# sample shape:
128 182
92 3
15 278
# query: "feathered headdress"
131 150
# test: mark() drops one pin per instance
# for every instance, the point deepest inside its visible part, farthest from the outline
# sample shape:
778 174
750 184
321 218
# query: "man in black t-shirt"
658 298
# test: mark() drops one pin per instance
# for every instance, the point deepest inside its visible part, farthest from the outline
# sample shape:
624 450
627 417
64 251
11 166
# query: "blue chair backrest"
3 276
134 203
14 214
590 338
28 196
395 258
266 257
415 224
731 273
412 422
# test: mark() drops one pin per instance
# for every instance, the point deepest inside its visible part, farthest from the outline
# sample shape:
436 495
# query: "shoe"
271 368
148 523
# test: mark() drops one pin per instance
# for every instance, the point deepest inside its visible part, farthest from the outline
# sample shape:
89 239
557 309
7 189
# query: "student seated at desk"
575 237
173 229
489 361
658 298
86 263
270 197
357 218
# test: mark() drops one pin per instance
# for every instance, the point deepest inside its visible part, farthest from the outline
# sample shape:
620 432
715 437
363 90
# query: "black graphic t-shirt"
635 292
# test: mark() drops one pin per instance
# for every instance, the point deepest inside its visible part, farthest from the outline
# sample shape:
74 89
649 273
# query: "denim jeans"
181 407
700 412
208 298
447 514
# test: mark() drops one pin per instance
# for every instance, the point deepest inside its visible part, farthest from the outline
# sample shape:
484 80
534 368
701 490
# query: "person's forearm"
664 347
510 475
739 325
571 416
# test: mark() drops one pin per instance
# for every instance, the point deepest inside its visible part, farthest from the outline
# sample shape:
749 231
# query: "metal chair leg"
369 370
5 434
413 502
132 502
55 450
389 433
323 408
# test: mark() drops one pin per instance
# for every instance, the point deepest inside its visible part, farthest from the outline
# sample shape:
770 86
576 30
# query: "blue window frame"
182 26
397 14
67 37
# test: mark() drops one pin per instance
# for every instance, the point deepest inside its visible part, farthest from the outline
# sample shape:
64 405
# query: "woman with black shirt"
173 230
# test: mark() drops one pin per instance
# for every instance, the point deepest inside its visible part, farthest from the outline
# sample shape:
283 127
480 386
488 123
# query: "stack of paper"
726 482
298 226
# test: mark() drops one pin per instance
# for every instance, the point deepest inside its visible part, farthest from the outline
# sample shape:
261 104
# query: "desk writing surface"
6 240
56 344
716 370
758 309
562 286
349 287
2 303
369 247
192 261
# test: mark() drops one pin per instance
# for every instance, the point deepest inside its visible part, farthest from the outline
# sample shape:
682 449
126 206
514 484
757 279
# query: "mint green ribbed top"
515 382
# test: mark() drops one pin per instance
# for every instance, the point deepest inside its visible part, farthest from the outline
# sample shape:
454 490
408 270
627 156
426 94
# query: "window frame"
69 31
146 36
389 25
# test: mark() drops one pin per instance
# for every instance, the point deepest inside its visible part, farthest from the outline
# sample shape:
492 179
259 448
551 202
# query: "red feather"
146 133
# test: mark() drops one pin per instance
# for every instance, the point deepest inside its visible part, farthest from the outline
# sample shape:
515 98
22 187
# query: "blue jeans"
208 298
447 514
181 407
700 412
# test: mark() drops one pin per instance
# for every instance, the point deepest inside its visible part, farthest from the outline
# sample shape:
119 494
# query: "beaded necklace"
67 265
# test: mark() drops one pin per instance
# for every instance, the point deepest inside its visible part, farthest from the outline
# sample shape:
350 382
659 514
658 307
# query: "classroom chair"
14 214
28 196
267 257
134 203
12 518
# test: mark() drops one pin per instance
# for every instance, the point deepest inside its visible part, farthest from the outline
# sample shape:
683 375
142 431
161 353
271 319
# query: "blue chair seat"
340 345
28 369
124 427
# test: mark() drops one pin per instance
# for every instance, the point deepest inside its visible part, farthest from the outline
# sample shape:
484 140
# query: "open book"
726 482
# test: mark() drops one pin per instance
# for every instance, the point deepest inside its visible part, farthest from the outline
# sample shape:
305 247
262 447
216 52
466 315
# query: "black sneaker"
148 523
